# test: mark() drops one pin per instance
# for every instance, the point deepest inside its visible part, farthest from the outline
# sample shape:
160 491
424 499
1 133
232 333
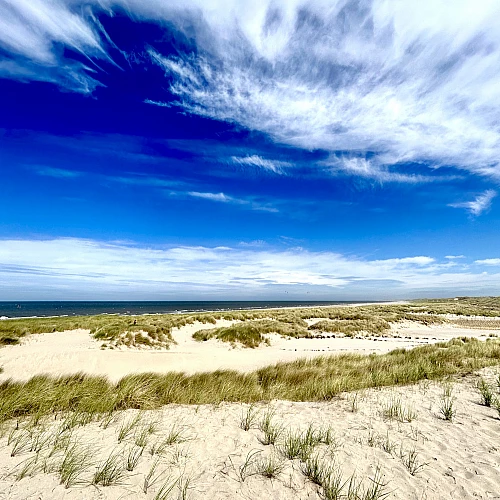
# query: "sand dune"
62 353
453 460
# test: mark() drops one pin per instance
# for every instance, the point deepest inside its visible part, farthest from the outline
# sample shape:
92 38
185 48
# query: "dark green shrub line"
303 380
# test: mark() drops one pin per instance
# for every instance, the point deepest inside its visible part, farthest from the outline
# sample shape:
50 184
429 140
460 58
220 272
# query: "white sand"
462 459
62 353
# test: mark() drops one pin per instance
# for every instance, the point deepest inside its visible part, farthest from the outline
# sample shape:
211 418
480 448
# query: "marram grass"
303 380
155 330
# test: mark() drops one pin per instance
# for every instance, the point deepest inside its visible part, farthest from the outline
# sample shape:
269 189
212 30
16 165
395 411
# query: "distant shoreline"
133 308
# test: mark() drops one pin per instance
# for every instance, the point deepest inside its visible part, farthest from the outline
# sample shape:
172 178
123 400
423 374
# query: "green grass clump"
315 379
271 430
294 446
487 396
77 460
447 407
395 410
110 472
133 457
270 467
251 333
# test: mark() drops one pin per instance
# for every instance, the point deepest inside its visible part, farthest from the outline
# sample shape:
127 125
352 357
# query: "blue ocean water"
42 309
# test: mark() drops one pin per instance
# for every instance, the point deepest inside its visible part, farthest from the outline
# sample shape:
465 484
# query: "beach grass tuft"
77 460
487 395
447 407
111 471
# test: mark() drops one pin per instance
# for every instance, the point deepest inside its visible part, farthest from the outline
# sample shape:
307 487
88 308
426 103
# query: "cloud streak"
90 268
488 262
224 198
479 204
274 166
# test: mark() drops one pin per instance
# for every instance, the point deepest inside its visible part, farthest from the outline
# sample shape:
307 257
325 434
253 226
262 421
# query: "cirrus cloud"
479 204
378 77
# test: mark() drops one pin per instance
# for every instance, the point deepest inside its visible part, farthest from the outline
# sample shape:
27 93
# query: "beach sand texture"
425 458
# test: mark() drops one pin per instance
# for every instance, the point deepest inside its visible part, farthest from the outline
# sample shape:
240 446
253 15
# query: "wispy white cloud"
361 167
172 187
376 76
488 262
223 198
479 204
453 257
275 166
214 197
158 103
59 173
381 76
85 268
34 31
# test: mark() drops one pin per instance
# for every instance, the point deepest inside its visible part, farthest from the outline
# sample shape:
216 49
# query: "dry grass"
251 333
316 379
155 330
351 327
482 324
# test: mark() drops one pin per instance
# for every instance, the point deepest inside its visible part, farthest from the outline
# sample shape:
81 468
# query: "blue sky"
328 150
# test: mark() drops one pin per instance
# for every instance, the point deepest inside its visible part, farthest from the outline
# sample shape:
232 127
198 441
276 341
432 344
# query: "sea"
80 308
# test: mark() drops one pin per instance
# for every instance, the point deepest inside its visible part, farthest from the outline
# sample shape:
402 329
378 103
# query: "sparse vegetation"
155 330
395 410
248 467
270 467
411 461
294 446
127 427
447 403
387 445
354 402
141 437
175 435
350 327
184 485
77 460
313 469
271 430
248 418
133 457
167 487
110 472
315 379
487 395
153 476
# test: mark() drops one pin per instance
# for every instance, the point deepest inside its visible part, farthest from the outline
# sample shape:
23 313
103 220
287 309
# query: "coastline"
217 310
